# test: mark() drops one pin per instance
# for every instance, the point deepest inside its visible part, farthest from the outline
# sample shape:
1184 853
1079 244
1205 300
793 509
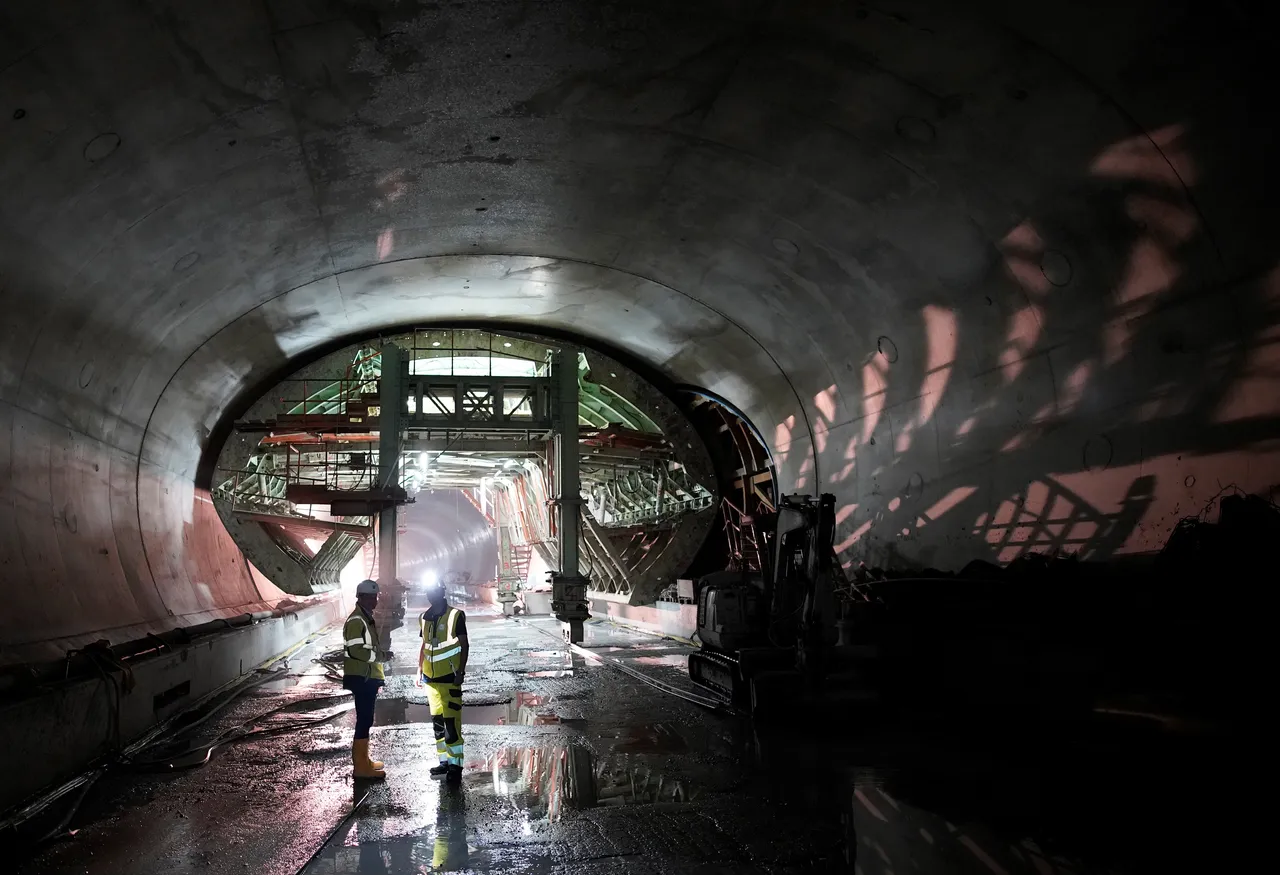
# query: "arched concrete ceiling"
968 265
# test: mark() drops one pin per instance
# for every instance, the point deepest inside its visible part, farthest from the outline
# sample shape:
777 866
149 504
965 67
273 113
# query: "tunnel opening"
670 475
1002 279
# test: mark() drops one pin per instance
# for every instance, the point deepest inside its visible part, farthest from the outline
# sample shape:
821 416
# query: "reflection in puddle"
292 681
524 709
548 664
364 848
544 782
653 738
561 655
675 660
274 686
537 663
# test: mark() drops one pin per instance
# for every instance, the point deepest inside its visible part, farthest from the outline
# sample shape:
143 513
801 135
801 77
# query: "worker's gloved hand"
458 677
385 656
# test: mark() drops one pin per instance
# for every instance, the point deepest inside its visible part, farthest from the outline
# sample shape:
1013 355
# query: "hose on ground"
60 829
177 727
332 662
199 755
167 733
210 706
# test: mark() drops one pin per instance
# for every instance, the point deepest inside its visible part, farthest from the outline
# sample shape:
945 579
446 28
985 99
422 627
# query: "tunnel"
998 277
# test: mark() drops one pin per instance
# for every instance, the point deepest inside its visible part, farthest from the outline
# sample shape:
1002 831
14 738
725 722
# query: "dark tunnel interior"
444 533
1000 277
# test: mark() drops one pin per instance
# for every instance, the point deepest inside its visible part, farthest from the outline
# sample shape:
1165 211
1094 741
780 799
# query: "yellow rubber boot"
362 767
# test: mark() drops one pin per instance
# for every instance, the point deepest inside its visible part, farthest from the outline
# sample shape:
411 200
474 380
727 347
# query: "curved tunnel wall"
445 533
996 275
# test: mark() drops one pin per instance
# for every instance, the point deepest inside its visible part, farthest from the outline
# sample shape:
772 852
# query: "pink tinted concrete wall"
663 618
95 545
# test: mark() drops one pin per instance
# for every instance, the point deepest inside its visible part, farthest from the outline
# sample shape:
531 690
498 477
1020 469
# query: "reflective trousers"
446 719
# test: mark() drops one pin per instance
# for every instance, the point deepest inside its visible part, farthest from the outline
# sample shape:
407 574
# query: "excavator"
780 625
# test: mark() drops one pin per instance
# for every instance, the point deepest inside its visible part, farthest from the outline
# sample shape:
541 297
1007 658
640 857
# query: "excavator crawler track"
718 673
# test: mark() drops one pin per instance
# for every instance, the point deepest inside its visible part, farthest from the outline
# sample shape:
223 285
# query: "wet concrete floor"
573 766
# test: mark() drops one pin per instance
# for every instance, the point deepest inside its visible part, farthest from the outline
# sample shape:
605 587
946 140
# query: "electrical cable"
180 728
702 701
60 829
148 740
176 763
167 732
332 662
179 761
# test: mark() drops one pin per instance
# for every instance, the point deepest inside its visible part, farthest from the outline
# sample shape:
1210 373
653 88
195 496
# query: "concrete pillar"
390 416
504 525
568 586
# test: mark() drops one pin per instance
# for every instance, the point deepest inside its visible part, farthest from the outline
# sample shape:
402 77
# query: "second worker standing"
442 661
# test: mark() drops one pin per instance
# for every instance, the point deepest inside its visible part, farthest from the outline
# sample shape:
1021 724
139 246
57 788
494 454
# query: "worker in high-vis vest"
442 664
362 674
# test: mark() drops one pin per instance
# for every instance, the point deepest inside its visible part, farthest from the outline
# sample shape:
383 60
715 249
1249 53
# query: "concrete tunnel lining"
990 248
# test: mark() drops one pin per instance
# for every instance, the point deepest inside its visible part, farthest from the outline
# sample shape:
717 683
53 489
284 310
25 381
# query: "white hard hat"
367 587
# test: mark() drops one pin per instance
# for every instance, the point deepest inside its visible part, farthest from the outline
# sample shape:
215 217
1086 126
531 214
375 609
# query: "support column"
390 417
568 586
509 582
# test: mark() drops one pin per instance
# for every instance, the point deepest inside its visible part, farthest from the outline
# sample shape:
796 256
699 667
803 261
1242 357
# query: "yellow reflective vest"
360 646
442 650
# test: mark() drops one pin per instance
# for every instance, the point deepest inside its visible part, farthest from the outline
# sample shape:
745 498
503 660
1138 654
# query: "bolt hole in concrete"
1097 453
887 348
1056 267
101 146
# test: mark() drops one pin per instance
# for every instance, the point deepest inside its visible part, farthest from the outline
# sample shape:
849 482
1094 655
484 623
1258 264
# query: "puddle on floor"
559 655
546 781
652 738
293 681
675 660
546 664
275 686
522 710
536 663
453 844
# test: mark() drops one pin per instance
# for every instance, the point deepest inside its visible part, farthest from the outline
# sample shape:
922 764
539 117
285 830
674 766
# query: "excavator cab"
774 621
